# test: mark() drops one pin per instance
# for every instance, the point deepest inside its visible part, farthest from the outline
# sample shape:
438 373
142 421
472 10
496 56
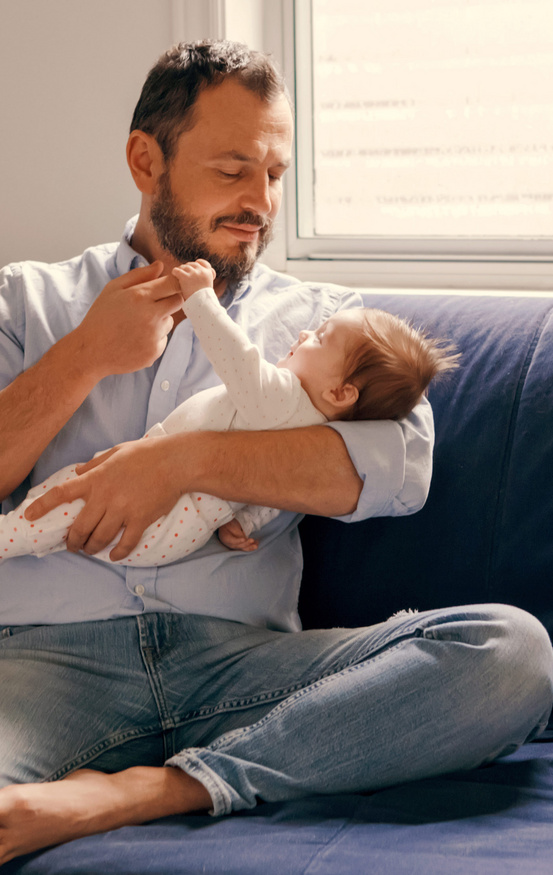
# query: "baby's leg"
19 537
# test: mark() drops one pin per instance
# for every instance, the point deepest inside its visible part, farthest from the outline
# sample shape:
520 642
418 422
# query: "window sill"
480 277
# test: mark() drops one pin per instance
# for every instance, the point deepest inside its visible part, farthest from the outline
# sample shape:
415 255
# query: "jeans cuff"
191 762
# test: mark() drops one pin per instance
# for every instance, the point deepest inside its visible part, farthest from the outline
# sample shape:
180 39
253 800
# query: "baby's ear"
343 396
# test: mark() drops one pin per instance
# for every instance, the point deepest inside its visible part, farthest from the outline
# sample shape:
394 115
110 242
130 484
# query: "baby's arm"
264 395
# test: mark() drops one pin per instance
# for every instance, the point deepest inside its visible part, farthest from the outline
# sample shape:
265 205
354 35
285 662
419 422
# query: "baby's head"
366 364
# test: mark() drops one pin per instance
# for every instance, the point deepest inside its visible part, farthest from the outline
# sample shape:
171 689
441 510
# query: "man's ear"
342 397
145 160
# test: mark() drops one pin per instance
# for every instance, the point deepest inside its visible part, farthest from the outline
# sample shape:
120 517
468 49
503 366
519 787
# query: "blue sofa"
485 534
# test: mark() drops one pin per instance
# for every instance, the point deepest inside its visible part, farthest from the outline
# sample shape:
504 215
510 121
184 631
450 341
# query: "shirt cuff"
394 461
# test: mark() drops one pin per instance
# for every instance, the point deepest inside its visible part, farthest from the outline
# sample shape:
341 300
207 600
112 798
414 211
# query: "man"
190 687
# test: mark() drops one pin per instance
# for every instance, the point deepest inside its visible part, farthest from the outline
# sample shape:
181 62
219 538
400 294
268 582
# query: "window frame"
522 263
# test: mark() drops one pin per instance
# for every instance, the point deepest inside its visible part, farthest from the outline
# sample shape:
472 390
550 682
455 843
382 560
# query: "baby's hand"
193 276
232 536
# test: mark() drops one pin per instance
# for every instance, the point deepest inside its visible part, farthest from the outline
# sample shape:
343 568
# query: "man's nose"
303 335
257 196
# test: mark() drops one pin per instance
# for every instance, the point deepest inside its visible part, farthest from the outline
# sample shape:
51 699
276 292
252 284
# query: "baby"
359 364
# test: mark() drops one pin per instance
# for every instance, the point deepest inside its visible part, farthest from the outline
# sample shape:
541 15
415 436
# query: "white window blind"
433 118
424 127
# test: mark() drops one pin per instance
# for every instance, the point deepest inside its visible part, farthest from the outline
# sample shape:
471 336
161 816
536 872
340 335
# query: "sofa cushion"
485 533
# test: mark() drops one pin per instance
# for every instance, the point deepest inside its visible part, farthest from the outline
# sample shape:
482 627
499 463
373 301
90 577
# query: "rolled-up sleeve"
11 327
394 461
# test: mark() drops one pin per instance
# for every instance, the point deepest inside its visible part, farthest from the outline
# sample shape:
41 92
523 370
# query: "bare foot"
34 816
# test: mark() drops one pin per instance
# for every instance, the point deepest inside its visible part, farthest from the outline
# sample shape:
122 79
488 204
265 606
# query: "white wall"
70 75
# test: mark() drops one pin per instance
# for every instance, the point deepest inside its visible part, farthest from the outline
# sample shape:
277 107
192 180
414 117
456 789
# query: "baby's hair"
392 365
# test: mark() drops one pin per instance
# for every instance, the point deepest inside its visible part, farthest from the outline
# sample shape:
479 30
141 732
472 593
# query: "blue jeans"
257 714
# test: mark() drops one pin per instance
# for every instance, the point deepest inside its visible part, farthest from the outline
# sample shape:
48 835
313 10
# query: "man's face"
218 197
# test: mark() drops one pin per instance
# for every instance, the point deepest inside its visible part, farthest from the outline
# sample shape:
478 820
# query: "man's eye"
228 175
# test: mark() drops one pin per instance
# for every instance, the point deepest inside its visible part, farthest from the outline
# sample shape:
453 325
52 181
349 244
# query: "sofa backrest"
486 531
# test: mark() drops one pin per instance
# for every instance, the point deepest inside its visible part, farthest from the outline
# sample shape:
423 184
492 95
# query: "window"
424 141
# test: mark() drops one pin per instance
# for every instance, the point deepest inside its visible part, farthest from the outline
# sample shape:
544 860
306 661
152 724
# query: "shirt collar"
233 293
126 258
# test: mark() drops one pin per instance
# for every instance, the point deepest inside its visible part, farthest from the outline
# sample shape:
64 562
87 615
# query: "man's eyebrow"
234 155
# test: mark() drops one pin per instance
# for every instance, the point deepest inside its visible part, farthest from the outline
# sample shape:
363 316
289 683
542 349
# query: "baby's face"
318 357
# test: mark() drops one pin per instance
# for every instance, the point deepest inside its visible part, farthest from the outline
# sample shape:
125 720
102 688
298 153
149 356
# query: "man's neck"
146 244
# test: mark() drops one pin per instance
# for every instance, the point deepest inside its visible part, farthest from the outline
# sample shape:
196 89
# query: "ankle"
155 792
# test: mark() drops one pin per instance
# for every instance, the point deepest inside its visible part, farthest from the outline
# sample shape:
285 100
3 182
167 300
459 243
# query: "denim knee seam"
387 642
229 738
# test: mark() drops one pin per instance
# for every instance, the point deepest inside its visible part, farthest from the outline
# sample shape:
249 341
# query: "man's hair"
391 365
165 108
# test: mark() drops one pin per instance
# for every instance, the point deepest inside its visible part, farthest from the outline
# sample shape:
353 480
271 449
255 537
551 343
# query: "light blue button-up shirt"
39 304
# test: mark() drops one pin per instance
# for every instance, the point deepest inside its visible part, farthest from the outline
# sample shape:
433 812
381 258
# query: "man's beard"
180 234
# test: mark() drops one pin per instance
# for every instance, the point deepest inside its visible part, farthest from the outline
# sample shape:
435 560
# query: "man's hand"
125 488
193 276
127 326
232 536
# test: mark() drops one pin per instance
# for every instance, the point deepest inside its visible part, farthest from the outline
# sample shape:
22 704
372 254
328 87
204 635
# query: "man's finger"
81 530
169 304
164 287
53 498
159 287
103 535
130 539
165 295
140 275
84 467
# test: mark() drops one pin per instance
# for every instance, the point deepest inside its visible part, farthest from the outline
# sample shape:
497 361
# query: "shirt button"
139 590
165 385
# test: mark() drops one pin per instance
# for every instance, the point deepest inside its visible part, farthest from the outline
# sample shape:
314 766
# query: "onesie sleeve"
253 517
266 396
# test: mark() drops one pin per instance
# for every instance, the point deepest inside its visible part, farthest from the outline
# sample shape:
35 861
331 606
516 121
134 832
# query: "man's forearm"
307 470
37 405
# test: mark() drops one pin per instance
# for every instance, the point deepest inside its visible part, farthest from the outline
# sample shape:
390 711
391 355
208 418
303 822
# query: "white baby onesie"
255 395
